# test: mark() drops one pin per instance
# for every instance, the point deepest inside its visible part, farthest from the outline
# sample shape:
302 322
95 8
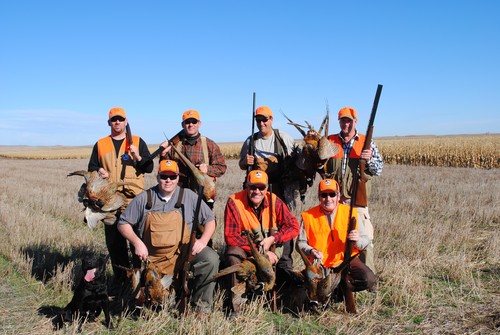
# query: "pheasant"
99 196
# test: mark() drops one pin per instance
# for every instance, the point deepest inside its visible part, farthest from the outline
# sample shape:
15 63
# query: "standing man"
341 166
158 223
272 147
324 232
249 211
114 158
200 150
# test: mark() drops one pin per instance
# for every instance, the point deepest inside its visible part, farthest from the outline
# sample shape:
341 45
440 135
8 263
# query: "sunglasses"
190 121
260 188
331 195
168 176
117 118
259 120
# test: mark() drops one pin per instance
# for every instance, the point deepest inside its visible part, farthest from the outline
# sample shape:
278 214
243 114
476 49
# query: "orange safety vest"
330 241
334 166
250 222
115 165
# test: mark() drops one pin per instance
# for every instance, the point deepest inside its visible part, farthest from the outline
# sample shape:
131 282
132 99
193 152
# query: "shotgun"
186 270
361 198
251 145
129 140
356 182
272 231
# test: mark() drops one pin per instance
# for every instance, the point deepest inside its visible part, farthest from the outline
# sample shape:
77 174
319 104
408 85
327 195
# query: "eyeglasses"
259 120
117 118
331 195
189 121
260 188
168 176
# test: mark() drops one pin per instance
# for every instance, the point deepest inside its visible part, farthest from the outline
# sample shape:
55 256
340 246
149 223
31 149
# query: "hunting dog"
90 296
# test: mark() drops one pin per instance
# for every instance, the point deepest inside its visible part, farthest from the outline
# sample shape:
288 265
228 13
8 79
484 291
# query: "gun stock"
186 270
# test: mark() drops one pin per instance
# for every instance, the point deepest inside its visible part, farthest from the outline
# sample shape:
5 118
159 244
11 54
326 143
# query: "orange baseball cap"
117 111
168 167
264 111
191 114
257 177
328 185
348 112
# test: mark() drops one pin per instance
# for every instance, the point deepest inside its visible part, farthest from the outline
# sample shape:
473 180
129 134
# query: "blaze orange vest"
118 168
334 166
330 241
249 220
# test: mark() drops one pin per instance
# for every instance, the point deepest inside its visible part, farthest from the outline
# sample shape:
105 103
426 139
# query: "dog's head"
94 267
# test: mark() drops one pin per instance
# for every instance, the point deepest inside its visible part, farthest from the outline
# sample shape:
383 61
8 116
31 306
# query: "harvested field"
436 236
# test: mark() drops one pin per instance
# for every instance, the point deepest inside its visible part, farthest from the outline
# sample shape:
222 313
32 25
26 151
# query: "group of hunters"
156 223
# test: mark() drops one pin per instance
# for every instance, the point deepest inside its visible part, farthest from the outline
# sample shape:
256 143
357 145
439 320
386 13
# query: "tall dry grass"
437 247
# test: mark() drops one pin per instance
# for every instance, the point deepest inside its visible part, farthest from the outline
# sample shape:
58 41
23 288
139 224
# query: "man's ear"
109 123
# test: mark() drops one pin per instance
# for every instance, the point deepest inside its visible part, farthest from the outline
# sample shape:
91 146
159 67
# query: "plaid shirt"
194 152
288 226
375 164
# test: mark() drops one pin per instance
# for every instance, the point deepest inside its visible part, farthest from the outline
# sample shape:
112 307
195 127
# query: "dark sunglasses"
189 121
117 118
260 188
168 176
331 195
258 120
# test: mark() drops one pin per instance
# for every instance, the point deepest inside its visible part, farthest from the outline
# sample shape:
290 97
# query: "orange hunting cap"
348 112
328 185
117 111
168 167
264 111
191 114
257 177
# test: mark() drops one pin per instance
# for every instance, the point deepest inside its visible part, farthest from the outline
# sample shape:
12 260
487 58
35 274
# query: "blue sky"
64 64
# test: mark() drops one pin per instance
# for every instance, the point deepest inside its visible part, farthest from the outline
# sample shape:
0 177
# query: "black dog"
91 294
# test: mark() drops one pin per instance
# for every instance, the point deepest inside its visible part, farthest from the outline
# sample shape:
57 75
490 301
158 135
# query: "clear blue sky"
64 64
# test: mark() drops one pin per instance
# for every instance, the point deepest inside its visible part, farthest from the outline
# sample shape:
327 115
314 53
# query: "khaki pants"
367 255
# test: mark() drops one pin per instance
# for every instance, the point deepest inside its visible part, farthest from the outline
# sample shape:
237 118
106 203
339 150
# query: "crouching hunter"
255 211
158 223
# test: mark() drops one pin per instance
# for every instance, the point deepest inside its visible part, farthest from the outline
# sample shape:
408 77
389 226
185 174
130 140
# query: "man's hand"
134 152
353 235
166 145
316 254
103 173
141 250
198 246
250 160
267 243
366 154
203 168
272 257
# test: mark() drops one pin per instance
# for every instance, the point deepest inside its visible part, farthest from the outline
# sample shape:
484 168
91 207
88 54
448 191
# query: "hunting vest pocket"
165 229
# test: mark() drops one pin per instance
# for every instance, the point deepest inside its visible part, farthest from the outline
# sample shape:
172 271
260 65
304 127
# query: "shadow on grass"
46 260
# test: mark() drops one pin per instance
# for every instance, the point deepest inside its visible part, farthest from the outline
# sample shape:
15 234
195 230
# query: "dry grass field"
437 244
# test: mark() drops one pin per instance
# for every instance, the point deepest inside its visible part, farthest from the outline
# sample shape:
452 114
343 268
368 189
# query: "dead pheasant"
201 179
99 196
318 280
154 290
256 271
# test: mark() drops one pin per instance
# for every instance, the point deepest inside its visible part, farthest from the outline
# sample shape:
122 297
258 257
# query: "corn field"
468 151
